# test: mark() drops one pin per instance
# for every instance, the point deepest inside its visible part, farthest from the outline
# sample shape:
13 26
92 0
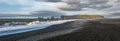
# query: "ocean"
8 30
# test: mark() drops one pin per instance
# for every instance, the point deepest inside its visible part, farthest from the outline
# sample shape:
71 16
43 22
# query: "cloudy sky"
108 8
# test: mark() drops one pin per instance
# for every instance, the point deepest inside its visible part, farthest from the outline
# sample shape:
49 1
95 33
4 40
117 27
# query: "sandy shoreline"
95 30
52 29
49 35
84 30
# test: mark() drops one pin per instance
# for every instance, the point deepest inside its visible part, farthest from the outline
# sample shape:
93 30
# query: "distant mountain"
82 17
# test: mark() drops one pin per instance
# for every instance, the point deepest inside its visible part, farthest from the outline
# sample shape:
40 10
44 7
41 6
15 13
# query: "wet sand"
97 30
86 30
54 29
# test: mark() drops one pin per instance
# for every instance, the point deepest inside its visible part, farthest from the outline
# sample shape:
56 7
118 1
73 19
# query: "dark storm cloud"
71 1
115 14
70 9
98 1
67 7
80 4
47 13
99 4
108 6
115 8
77 5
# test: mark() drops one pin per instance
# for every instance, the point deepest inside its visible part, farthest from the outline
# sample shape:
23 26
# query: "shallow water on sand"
8 30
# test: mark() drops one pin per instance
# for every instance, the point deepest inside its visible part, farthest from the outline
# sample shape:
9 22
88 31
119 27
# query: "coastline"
95 30
84 30
15 37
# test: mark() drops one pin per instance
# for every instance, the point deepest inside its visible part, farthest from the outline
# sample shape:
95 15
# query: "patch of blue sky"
12 8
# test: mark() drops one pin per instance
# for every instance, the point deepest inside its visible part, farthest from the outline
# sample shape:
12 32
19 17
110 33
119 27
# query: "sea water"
8 30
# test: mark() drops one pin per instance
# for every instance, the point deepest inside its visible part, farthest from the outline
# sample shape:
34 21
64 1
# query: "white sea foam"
7 30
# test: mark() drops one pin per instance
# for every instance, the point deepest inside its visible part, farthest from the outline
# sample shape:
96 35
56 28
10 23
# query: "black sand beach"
97 30
86 30
53 28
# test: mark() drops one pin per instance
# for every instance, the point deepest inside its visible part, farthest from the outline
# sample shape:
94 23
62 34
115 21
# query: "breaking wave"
35 25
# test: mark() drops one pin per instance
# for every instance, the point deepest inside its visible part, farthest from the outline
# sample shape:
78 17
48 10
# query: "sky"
107 8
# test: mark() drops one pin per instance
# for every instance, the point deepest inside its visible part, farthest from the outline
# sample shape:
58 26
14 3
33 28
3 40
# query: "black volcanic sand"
52 28
93 31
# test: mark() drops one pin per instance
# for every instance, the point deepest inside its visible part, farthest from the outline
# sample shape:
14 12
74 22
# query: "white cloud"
44 6
102 7
79 4
32 5
67 7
